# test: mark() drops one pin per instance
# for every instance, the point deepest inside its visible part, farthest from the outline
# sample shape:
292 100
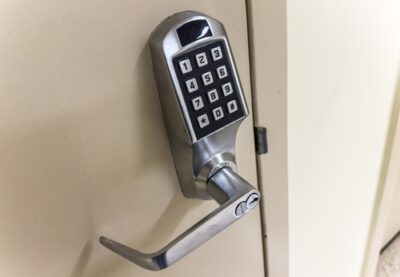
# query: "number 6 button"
221 72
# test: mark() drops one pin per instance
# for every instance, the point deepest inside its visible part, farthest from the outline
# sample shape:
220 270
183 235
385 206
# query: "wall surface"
343 62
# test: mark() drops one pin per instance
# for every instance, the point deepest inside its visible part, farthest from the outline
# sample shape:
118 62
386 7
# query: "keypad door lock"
203 105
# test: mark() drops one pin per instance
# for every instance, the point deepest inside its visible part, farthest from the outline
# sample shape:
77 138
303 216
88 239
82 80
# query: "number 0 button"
218 113
203 120
197 103
191 85
216 53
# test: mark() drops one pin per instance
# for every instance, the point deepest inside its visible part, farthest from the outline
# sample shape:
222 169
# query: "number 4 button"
191 85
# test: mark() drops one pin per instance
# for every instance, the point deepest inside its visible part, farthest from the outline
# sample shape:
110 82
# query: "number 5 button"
207 78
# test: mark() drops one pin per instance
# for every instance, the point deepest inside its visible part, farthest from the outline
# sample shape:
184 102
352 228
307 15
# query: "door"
83 147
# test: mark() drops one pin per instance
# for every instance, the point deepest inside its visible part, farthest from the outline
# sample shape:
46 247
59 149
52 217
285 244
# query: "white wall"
343 61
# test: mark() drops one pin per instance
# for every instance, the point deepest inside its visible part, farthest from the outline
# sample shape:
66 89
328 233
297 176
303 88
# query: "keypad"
209 89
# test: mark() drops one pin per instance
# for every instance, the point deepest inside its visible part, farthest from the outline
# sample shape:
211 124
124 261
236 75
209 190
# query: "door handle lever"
236 198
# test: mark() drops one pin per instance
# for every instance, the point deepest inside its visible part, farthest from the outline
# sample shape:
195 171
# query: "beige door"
83 148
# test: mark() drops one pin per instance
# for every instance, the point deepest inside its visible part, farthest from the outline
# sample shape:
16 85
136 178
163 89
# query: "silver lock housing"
196 160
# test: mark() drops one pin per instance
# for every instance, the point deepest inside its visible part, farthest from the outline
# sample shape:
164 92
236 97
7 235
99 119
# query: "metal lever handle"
235 196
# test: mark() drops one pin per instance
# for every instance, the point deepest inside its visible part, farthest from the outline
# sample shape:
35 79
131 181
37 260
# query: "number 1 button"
185 66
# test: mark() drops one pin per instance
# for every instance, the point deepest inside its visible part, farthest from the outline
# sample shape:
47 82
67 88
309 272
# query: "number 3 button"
216 53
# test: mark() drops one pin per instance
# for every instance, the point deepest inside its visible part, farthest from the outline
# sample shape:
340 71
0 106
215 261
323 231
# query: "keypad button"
221 72
227 89
185 66
212 96
197 103
203 120
201 59
191 85
218 113
216 53
207 78
232 106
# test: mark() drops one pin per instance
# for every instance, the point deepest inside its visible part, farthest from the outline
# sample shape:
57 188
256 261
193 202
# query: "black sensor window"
193 31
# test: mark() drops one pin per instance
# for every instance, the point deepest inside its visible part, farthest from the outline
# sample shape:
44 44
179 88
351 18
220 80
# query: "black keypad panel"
210 92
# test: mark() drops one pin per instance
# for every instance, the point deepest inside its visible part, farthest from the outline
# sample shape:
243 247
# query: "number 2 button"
201 59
